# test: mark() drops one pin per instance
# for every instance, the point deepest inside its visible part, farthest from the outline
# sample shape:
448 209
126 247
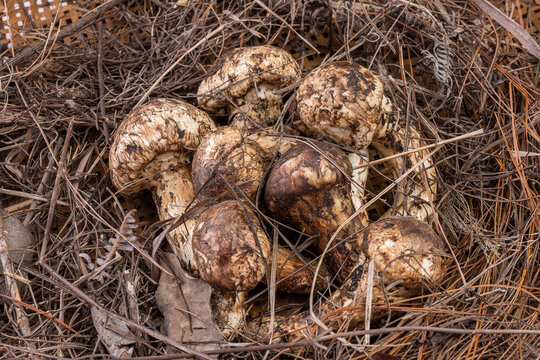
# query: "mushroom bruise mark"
389 225
354 282
133 148
180 133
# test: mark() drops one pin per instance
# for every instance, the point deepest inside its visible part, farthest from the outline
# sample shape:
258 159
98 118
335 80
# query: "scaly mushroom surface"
245 84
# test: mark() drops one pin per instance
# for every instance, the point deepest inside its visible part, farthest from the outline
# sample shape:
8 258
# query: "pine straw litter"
464 72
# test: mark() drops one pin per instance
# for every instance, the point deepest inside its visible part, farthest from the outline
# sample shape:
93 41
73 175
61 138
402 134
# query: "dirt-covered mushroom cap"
341 102
305 170
405 248
229 246
225 158
158 127
309 188
237 72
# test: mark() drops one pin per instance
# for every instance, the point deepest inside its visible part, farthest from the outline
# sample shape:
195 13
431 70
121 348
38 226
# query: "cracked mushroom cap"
225 158
405 248
341 102
237 72
152 136
226 247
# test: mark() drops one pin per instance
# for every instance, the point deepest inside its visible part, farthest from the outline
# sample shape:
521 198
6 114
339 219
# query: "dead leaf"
114 341
185 304
19 239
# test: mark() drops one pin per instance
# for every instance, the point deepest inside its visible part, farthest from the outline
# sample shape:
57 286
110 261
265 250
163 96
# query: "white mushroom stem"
359 177
229 310
392 137
173 193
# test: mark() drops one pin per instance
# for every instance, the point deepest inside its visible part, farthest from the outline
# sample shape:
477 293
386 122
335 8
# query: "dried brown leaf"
19 240
185 304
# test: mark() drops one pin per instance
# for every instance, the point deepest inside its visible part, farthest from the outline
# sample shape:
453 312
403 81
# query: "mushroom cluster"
312 183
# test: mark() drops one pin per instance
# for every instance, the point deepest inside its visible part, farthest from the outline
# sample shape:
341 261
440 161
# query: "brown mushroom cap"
308 187
342 102
237 72
228 252
225 157
157 127
303 170
404 248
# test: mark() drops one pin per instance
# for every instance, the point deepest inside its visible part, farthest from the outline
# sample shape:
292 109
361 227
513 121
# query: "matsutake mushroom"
309 187
231 248
226 157
246 83
407 256
152 150
345 103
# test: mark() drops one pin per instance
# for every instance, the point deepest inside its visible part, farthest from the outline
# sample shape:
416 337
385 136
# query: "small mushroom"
152 150
345 103
407 256
245 84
